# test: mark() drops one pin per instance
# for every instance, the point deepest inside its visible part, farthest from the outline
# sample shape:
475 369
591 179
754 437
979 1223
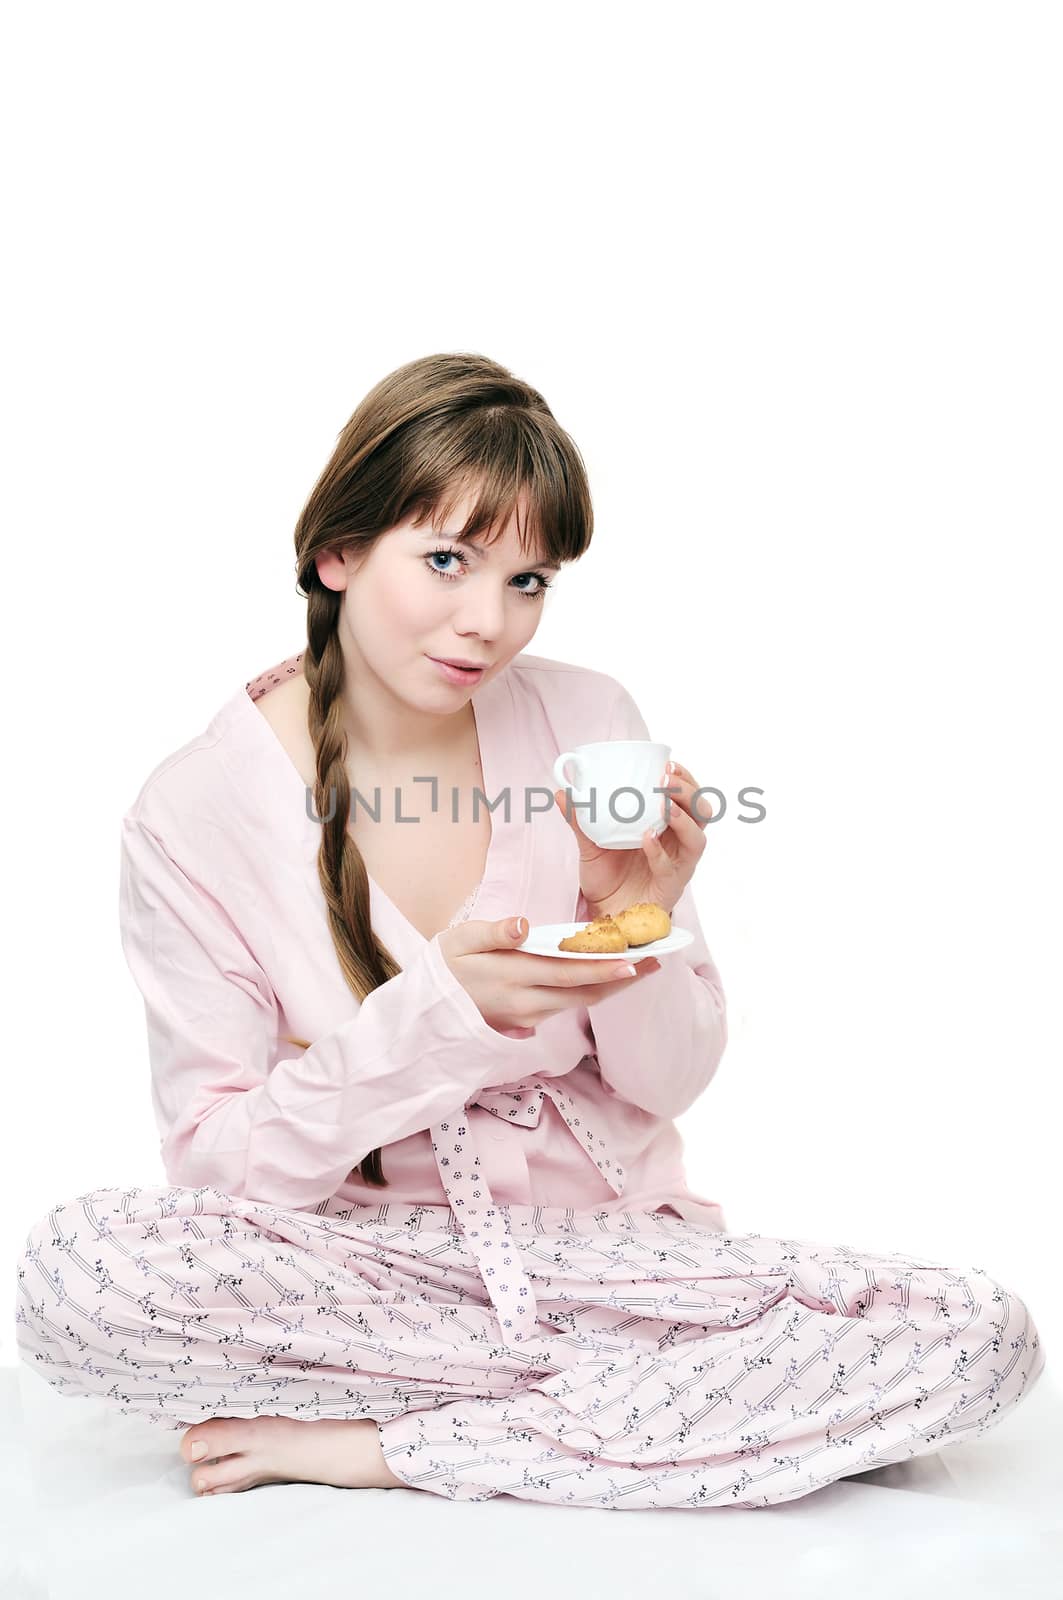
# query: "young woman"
427 1223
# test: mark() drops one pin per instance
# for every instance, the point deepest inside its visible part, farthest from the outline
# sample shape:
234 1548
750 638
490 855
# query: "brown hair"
427 433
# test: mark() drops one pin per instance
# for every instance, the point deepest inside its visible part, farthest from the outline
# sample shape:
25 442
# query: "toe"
208 1480
210 1439
227 1476
193 1443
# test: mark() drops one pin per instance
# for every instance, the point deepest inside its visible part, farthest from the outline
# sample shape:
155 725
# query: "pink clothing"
660 1361
674 1366
225 931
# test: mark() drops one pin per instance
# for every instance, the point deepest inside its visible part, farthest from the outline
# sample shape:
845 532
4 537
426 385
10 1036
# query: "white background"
789 274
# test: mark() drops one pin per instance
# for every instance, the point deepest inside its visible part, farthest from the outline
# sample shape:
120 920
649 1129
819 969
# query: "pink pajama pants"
671 1365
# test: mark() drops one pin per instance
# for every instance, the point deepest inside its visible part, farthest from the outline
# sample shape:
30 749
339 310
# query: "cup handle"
559 771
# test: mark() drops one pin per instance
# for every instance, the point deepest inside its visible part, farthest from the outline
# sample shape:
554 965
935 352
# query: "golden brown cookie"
602 936
644 922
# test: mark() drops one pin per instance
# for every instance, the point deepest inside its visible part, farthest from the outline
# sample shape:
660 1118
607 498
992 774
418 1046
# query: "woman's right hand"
513 989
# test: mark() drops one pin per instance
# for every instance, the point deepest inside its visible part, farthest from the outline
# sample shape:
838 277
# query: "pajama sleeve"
660 1041
288 1135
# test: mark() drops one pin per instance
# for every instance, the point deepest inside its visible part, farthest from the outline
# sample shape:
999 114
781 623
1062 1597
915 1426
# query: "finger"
679 820
588 993
550 972
676 817
683 797
602 991
608 973
673 786
665 862
690 841
688 784
676 789
656 849
600 974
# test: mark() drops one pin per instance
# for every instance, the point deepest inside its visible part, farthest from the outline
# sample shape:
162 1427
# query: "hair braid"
421 436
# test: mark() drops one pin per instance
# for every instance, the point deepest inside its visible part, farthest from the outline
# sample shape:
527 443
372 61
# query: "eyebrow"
481 554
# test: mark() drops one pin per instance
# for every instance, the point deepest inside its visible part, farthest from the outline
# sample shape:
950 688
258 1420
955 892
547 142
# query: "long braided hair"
422 437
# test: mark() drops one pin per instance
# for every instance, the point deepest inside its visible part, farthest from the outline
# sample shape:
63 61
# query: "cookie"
601 937
644 922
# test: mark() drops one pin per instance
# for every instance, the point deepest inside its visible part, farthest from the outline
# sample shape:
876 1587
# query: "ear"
335 568
330 569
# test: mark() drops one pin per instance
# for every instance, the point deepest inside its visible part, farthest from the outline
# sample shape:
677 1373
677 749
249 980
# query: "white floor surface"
100 1506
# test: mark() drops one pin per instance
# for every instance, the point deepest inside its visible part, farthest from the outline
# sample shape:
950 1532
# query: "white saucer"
543 940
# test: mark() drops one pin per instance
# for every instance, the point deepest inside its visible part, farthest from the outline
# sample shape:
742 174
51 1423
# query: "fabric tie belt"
520 1105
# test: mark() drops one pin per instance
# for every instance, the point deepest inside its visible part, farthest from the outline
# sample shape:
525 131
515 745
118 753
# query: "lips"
470 666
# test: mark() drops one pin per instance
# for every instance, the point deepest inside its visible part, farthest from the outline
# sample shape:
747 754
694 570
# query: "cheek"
529 615
393 607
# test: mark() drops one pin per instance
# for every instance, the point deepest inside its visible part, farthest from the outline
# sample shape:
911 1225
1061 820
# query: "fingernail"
198 1451
627 971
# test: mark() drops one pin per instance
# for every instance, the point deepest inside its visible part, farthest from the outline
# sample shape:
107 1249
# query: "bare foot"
243 1452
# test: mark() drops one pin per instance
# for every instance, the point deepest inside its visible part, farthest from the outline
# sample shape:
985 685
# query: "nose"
481 610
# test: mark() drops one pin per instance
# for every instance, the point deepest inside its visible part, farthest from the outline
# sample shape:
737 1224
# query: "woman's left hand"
658 870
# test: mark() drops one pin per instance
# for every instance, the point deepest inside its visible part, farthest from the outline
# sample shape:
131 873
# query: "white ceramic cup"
617 785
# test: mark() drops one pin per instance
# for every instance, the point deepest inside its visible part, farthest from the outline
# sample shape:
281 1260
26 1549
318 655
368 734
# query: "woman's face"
419 594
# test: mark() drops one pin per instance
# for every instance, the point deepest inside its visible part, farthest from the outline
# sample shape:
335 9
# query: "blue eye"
449 577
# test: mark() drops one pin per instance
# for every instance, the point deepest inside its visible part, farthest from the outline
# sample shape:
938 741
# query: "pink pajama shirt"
537 1304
